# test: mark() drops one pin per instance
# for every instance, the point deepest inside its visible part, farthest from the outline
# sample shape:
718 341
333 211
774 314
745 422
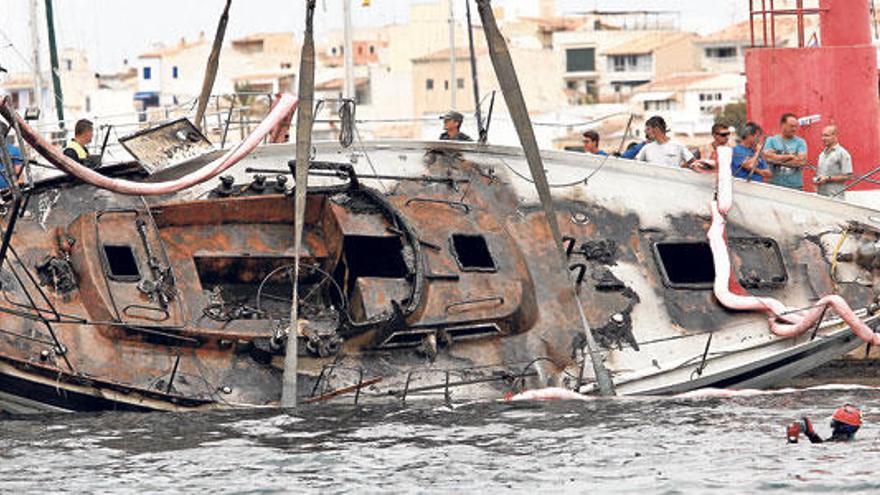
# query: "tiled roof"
694 80
786 27
336 84
648 43
460 53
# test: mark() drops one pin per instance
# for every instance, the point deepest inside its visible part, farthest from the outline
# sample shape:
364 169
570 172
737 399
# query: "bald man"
835 166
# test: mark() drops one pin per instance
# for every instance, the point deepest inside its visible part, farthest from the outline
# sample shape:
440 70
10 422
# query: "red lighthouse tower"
833 78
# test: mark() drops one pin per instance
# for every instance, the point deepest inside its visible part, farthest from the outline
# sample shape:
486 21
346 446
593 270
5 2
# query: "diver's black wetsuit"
839 432
835 437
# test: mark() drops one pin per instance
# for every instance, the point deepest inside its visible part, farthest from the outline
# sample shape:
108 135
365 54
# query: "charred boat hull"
428 272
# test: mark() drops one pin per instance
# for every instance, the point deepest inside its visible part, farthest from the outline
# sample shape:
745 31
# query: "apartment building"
612 52
78 82
261 62
645 59
689 102
725 50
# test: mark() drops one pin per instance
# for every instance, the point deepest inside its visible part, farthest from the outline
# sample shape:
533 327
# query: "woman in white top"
661 149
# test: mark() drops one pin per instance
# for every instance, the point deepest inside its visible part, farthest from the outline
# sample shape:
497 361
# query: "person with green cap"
452 127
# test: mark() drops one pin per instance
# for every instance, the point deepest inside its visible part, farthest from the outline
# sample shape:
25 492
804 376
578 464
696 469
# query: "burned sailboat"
426 269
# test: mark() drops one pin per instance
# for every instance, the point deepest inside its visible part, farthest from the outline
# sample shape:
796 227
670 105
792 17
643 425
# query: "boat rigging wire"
586 180
369 160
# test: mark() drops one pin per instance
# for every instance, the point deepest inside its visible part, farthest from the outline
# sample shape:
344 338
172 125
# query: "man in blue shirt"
787 154
632 151
15 154
747 164
591 143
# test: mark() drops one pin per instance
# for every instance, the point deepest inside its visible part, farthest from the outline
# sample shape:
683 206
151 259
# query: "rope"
834 253
347 119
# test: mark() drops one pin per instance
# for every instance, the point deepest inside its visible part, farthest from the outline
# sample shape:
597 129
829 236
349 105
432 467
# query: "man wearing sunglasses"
709 154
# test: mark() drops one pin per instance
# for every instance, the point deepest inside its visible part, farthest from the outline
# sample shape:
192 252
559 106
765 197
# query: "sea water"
701 443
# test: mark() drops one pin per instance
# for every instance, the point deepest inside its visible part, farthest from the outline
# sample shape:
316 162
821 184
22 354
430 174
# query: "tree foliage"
733 115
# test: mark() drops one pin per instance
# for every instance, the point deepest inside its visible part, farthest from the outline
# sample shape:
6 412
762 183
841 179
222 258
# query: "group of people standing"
778 159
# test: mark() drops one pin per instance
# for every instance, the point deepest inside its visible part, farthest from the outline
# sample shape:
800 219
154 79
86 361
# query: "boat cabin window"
685 265
472 253
120 263
375 256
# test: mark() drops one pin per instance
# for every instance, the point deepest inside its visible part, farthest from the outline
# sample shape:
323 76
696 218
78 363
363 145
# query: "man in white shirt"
662 150
835 166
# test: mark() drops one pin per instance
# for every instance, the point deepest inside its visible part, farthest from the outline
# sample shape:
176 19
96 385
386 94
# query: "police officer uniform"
458 117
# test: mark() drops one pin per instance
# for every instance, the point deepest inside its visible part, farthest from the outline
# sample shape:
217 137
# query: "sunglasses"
725 134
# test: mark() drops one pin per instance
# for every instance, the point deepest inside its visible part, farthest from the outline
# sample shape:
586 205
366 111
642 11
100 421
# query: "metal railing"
768 20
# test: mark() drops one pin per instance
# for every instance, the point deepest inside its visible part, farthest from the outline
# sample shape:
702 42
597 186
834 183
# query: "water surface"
647 445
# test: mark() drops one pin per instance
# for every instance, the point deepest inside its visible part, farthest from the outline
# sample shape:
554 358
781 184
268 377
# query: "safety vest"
81 152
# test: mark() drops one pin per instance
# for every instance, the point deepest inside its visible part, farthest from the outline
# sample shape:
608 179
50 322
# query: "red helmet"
848 414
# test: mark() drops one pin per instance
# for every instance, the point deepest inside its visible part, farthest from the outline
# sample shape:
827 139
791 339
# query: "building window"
429 84
580 60
333 51
88 104
629 63
148 73
174 72
372 49
460 83
659 105
362 94
446 85
285 65
723 53
68 63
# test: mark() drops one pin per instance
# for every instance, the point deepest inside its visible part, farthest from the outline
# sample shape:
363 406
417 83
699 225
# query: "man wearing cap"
452 125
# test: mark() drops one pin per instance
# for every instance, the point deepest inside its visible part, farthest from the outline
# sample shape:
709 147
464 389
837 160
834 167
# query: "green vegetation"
733 115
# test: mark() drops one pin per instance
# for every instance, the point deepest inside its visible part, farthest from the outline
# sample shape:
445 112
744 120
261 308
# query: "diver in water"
844 424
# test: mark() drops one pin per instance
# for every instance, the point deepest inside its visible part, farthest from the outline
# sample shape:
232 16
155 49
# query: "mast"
474 80
53 56
516 105
35 46
348 51
452 80
304 120
213 63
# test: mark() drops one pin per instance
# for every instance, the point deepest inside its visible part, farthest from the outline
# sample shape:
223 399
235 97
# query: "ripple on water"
686 444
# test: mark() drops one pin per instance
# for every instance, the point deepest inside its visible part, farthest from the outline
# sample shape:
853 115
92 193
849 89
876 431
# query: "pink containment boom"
784 321
282 110
550 393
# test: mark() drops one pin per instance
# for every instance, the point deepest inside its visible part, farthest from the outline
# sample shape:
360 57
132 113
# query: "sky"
114 30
